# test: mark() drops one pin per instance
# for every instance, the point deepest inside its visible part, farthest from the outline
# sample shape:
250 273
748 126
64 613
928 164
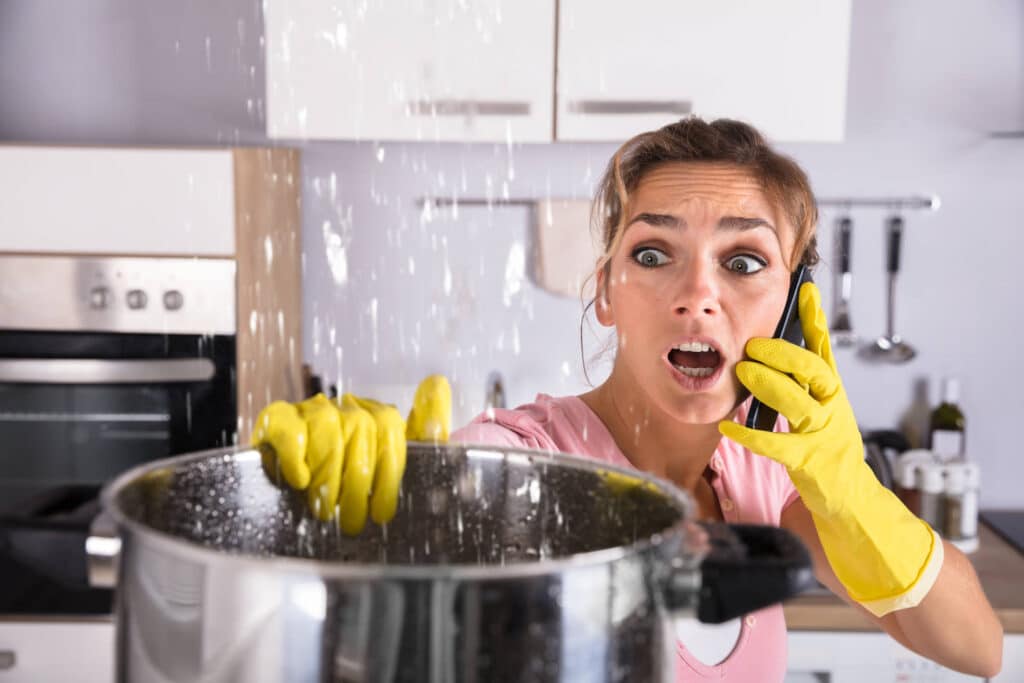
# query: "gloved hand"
884 555
349 452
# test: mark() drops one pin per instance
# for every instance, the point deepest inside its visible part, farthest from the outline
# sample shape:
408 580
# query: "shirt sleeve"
517 428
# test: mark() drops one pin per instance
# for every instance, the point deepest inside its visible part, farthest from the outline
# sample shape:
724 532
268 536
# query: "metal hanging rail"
929 202
441 202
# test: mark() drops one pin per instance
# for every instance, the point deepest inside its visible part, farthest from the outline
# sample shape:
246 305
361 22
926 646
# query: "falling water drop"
374 331
515 272
337 259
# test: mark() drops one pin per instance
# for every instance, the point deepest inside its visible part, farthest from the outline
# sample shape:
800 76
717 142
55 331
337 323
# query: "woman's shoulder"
563 424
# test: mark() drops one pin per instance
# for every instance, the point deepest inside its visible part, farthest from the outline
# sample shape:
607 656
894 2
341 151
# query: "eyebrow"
664 220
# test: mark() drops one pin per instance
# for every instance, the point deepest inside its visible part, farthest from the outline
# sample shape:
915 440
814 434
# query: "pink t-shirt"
750 488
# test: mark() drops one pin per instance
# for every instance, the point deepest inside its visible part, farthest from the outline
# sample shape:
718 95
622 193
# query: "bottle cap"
956 479
950 390
906 465
972 475
929 477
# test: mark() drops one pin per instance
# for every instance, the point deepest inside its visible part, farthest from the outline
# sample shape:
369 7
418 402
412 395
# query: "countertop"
1000 568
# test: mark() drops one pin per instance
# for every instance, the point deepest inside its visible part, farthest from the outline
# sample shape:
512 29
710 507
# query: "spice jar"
960 503
931 486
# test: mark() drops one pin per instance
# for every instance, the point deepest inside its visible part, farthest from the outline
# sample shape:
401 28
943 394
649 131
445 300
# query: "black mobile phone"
761 416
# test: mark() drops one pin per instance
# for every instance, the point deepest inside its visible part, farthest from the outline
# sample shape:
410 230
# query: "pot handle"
103 551
748 566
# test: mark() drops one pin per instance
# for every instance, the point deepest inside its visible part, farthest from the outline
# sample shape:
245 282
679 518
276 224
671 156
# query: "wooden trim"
268 239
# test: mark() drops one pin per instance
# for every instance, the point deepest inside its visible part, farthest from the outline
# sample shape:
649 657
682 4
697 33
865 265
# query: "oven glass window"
80 433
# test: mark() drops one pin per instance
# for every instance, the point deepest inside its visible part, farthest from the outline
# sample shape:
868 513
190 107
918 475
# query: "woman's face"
700 270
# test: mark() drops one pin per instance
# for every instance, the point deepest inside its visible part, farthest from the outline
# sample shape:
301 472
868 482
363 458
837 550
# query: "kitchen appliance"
1007 523
105 363
500 565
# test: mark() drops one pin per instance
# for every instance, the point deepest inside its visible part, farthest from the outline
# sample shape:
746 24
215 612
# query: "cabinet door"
410 70
779 65
117 201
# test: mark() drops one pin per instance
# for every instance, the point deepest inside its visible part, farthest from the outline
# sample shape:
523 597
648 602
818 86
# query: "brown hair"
720 141
694 140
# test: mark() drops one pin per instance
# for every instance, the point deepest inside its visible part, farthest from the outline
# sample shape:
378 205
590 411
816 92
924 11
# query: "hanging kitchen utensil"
890 348
842 330
500 565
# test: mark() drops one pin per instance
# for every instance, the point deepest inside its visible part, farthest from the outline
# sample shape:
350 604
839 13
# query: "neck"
649 438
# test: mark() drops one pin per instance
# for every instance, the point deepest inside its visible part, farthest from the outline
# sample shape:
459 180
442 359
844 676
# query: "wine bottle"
947 425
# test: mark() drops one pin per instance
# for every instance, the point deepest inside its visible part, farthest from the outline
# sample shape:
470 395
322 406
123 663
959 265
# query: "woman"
703 224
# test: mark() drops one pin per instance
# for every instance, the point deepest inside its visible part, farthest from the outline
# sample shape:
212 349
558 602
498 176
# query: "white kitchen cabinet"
626 68
117 201
854 657
410 70
80 651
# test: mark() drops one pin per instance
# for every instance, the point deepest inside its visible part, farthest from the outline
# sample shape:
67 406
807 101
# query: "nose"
696 290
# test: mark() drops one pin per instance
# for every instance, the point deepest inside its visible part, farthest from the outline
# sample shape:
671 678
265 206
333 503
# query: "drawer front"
57 651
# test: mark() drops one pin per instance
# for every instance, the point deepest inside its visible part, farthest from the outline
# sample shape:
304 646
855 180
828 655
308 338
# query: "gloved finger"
779 446
357 474
815 325
781 392
280 427
391 455
325 454
431 414
805 366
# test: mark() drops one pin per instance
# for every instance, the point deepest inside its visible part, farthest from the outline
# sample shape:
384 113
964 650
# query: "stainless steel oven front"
105 363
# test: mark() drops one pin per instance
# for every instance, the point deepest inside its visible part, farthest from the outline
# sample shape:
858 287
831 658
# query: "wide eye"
649 257
745 264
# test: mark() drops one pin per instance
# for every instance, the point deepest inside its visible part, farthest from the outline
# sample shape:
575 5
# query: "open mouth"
695 359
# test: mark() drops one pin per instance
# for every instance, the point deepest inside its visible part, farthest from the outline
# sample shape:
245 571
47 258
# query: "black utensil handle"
845 228
750 566
895 233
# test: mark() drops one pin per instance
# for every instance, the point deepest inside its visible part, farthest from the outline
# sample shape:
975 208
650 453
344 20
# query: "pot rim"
328 569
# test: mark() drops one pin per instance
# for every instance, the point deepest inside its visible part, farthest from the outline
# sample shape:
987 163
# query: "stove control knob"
173 300
136 299
99 298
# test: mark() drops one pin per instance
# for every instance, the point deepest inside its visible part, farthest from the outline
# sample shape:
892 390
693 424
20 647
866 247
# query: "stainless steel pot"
500 565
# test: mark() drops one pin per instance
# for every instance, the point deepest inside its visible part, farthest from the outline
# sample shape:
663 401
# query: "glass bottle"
947 428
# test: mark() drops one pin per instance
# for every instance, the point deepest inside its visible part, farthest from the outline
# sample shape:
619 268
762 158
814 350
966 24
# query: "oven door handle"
103 371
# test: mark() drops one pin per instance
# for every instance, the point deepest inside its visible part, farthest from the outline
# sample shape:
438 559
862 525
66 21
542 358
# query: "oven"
105 363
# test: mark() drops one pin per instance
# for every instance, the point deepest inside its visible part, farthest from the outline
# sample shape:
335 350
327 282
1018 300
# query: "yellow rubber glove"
348 454
886 557
430 416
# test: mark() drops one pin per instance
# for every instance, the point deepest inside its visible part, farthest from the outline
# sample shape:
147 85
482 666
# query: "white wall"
928 80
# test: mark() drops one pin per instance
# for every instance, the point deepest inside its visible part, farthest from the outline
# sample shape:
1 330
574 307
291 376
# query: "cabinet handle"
7 660
630 107
467 108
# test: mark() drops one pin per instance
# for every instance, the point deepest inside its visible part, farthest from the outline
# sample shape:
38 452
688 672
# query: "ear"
602 305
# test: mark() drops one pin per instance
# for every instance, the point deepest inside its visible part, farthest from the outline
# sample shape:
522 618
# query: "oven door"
82 407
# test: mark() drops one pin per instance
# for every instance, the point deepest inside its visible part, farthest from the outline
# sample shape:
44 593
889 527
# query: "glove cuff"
913 595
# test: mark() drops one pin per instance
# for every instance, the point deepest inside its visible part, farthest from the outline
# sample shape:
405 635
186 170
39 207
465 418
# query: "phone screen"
761 416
